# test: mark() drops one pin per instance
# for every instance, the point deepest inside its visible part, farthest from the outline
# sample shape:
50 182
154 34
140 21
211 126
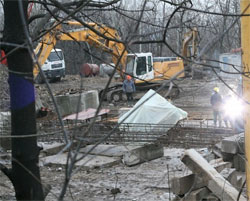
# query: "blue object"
22 92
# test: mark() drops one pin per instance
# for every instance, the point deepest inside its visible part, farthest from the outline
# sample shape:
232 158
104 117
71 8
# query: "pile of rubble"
213 179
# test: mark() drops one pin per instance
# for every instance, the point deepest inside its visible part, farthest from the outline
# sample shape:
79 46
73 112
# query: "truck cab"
54 66
140 66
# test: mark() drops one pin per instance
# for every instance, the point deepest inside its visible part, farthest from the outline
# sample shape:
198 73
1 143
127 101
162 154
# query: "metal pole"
245 44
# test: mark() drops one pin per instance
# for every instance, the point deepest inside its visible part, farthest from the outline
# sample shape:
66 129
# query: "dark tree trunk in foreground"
25 174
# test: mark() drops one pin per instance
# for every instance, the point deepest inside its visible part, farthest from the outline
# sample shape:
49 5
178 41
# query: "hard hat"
129 77
216 89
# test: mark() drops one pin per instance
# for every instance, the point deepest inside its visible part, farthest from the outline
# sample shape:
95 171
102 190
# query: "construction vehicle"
147 72
100 36
189 51
53 67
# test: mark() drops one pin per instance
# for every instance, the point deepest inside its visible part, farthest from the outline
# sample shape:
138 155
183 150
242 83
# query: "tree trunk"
25 174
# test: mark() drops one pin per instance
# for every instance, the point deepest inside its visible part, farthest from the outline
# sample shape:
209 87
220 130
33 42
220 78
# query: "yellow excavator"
148 72
96 35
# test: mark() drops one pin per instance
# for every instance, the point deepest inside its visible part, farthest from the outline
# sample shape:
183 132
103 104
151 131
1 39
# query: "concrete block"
217 150
197 195
228 173
233 145
143 154
88 162
108 150
227 157
214 181
220 166
238 179
181 185
68 103
51 149
239 162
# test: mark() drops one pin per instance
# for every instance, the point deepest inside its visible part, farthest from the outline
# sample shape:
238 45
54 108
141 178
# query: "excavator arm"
105 38
187 52
190 36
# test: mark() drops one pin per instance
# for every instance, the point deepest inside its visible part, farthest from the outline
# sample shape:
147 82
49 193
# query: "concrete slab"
51 149
214 181
233 145
88 162
68 103
108 150
143 154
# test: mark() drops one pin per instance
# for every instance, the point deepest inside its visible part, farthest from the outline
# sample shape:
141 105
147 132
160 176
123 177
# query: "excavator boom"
100 36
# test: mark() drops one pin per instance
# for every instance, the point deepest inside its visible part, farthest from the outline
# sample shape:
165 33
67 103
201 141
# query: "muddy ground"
147 181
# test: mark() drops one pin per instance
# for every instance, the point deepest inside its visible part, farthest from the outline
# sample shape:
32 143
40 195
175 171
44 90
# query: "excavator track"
115 93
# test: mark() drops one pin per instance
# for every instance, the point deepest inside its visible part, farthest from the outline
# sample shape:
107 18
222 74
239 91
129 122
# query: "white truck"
54 66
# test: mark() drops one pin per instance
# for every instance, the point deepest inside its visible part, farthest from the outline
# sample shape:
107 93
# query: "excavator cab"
140 66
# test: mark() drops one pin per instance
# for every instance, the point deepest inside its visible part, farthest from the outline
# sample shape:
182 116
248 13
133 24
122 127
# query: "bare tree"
24 174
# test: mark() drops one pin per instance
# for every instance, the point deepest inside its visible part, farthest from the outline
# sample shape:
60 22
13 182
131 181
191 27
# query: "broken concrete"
233 145
237 179
108 150
214 181
239 162
182 185
51 149
228 173
68 103
197 194
88 162
143 154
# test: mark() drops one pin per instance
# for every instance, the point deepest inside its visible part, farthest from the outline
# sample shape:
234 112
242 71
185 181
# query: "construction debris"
232 149
69 104
142 154
85 161
182 185
213 180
